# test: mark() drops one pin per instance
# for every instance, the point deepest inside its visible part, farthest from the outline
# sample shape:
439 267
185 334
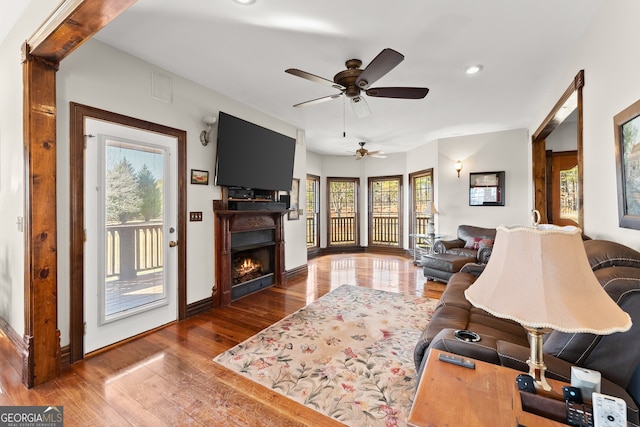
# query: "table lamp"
540 277
431 211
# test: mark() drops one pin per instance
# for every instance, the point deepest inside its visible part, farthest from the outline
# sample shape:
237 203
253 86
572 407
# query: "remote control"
526 383
609 411
579 414
457 360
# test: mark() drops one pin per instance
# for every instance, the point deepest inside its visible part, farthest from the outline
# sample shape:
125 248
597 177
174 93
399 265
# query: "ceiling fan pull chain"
344 117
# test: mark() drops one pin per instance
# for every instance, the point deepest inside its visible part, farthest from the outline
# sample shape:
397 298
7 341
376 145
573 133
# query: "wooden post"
41 336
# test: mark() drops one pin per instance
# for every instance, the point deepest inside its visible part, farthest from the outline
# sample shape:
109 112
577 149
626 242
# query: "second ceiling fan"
362 152
352 81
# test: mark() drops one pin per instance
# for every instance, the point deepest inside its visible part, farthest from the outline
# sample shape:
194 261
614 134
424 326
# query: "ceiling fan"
352 81
362 152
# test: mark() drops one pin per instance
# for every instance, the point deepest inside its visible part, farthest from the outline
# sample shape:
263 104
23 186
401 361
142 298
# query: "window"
312 211
343 211
385 211
421 194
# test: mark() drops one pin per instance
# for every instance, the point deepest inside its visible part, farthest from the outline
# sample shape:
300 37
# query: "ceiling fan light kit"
354 80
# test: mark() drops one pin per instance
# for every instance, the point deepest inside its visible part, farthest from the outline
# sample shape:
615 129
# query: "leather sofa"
471 245
504 342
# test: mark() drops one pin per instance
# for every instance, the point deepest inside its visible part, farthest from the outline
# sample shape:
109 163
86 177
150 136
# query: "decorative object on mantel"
348 355
559 290
458 167
431 211
627 132
199 177
205 135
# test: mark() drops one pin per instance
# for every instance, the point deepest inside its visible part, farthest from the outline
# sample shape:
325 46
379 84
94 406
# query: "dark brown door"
564 188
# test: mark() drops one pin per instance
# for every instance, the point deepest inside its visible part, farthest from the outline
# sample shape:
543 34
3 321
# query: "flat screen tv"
251 156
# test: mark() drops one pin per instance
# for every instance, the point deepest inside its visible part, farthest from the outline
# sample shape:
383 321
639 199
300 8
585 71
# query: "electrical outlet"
195 216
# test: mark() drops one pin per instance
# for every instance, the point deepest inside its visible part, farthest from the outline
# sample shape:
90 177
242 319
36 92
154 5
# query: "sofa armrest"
515 356
484 350
442 246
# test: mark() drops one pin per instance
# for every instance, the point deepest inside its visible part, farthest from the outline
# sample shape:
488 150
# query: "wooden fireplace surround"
226 223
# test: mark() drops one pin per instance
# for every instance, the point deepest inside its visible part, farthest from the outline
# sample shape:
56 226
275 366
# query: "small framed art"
199 177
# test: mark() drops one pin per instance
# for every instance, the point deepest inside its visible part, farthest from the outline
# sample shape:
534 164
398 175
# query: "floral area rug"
348 355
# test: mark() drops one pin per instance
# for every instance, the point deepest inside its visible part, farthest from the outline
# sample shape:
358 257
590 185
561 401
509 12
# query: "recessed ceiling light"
474 69
245 2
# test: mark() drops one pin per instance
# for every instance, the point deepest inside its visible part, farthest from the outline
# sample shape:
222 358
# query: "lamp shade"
540 277
431 208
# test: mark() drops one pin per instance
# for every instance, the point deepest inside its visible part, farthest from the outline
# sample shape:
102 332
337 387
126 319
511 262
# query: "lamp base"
536 364
431 229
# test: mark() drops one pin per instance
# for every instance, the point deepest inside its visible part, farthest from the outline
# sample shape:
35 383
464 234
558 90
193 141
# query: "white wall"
564 137
489 152
610 62
100 76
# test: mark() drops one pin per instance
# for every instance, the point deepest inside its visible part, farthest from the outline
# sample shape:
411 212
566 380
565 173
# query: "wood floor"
167 378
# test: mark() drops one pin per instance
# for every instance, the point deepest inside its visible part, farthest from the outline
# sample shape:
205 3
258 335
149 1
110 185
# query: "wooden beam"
74 22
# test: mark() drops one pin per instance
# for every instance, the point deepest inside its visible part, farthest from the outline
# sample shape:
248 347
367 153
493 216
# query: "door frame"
78 113
570 100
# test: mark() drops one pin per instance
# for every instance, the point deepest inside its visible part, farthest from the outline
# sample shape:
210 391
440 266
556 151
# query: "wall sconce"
458 167
205 135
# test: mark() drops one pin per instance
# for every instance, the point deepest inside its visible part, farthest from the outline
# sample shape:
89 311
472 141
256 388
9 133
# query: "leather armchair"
471 241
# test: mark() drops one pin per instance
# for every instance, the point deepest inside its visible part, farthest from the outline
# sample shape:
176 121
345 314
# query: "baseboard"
199 306
65 356
301 270
16 340
386 250
342 250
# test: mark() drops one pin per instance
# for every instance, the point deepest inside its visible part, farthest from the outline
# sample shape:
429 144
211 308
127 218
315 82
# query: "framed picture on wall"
486 189
627 149
199 177
294 194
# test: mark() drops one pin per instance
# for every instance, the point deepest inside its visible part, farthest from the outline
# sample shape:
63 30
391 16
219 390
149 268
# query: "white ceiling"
242 52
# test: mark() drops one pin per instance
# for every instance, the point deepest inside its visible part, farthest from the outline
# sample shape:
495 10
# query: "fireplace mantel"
226 224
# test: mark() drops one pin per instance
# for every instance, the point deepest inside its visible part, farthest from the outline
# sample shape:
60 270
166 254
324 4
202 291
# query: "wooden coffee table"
485 396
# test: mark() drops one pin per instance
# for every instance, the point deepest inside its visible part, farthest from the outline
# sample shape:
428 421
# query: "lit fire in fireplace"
245 269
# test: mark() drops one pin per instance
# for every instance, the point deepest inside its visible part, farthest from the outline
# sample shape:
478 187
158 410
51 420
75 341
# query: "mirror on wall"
557 160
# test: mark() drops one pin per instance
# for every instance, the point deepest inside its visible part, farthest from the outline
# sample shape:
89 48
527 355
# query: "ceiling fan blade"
313 78
360 107
374 153
318 100
377 156
381 65
398 92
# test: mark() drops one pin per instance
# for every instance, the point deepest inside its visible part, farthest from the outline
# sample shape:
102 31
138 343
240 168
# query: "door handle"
173 244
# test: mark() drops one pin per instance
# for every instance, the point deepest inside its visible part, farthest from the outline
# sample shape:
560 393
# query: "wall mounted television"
251 156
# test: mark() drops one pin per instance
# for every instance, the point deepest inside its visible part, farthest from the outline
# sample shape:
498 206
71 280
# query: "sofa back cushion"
617 355
604 253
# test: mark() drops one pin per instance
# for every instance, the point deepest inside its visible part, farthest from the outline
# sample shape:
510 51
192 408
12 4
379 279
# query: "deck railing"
385 230
133 248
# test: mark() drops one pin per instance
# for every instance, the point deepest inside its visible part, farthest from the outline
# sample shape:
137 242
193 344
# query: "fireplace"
249 252
252 259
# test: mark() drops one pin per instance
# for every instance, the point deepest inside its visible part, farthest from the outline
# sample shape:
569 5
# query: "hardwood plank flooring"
167 378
